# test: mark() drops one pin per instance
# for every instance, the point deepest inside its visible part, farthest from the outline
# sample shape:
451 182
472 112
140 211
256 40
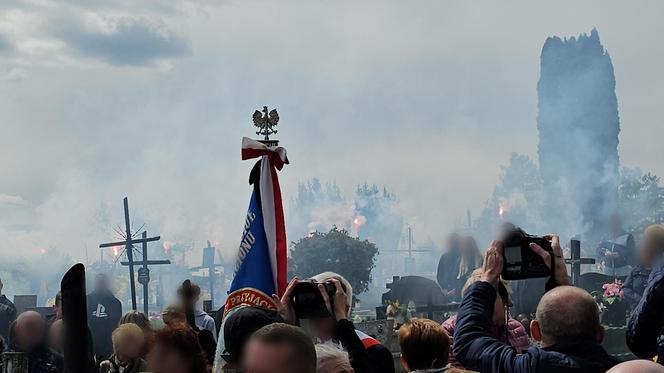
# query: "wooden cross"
208 263
144 271
409 261
129 250
575 260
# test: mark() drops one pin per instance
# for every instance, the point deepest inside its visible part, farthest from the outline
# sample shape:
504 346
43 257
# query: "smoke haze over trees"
578 133
430 107
577 185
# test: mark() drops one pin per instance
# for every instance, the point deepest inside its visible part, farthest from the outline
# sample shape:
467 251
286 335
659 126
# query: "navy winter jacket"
476 349
635 284
646 321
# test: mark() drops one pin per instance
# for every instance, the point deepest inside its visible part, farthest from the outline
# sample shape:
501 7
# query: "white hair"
348 288
329 356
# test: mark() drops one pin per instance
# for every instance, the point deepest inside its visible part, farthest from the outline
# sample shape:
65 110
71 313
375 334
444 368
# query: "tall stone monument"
578 127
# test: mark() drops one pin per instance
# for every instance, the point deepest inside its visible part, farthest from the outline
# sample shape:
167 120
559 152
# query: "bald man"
30 338
567 324
637 366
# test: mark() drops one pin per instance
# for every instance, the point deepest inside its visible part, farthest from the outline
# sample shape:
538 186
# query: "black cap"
241 324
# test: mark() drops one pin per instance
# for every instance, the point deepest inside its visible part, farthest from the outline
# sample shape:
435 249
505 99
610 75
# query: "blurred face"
30 332
55 335
128 347
615 225
648 253
261 357
467 247
322 328
164 359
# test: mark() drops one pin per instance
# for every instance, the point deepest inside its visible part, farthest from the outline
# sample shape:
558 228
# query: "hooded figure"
104 312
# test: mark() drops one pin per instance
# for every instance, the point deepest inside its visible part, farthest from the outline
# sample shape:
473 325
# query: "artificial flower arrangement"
612 292
613 310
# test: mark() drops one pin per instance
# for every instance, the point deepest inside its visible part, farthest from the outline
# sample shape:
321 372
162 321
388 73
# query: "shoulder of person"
449 324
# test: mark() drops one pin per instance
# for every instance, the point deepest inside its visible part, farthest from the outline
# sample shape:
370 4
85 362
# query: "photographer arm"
474 346
344 332
560 277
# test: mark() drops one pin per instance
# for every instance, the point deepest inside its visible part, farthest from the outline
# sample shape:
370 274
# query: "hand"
340 300
560 270
285 306
493 263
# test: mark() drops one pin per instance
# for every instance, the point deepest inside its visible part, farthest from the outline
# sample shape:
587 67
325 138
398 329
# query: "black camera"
520 261
308 300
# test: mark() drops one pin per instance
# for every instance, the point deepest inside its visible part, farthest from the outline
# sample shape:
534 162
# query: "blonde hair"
655 234
470 257
476 275
125 330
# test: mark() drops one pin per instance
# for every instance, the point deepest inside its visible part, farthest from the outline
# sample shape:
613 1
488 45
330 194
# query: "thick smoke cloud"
429 100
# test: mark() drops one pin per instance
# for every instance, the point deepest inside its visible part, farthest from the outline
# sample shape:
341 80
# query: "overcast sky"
104 99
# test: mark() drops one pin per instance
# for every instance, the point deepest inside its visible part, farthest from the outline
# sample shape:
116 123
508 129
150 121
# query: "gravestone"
24 302
424 294
593 281
419 290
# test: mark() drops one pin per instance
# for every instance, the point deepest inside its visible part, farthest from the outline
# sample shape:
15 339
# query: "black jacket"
446 275
645 324
7 315
104 312
635 284
366 354
476 349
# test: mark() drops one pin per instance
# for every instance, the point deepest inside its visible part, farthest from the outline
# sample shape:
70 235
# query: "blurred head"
653 244
331 358
567 314
102 282
193 297
323 328
279 348
637 366
174 316
176 350
453 243
240 325
56 335
615 225
57 306
128 342
139 319
424 345
502 300
30 330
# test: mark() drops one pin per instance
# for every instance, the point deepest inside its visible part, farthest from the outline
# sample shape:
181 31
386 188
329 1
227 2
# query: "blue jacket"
646 322
476 349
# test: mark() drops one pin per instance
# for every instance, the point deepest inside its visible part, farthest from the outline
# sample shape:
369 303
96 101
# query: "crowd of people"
565 334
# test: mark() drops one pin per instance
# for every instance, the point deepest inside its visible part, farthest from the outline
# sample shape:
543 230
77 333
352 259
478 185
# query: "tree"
641 199
518 195
334 251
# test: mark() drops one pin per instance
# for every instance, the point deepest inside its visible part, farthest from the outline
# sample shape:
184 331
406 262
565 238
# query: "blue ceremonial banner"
260 270
253 283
